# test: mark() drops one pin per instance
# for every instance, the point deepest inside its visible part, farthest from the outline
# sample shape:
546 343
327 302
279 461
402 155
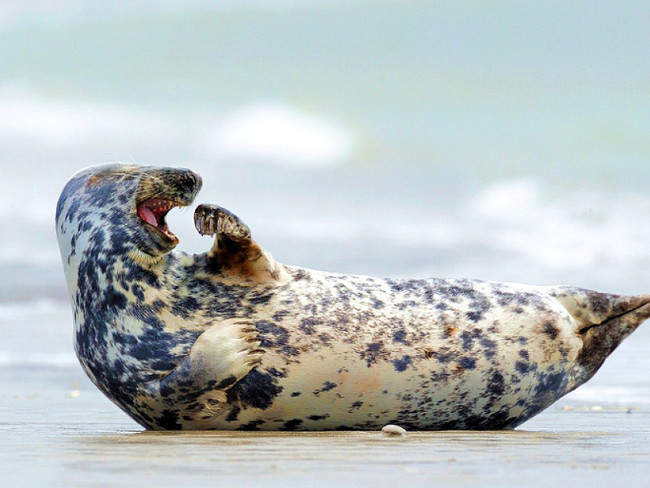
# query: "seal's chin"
152 212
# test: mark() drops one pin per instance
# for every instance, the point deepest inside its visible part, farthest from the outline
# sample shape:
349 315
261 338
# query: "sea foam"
53 360
27 116
269 132
257 133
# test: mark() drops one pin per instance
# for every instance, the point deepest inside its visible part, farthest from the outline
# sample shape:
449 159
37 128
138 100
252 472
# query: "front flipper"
218 359
234 253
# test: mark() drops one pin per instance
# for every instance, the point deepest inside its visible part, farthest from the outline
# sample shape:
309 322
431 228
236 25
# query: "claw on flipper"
212 219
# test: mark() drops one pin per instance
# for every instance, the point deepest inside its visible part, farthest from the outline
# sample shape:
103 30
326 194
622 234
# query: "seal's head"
124 204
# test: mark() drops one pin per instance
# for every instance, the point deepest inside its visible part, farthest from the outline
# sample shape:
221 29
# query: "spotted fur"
231 339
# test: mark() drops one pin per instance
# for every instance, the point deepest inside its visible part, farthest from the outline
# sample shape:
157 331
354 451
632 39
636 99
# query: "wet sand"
57 430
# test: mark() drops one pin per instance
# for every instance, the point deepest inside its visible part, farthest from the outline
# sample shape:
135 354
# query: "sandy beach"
57 430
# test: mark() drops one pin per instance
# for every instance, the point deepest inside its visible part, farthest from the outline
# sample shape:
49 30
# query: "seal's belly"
324 393
421 366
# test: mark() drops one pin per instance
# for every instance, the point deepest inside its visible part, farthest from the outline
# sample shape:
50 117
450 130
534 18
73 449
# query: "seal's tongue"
153 212
147 215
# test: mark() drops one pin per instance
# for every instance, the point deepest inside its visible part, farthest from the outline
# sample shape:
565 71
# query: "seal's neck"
143 259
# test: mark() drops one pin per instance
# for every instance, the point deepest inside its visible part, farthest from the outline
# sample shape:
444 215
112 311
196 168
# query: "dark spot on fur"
273 335
550 383
496 386
308 325
169 420
401 364
400 336
260 299
599 302
373 353
185 307
468 338
474 316
325 339
253 425
300 275
327 386
467 363
137 291
521 367
551 330
280 315
443 357
292 424
316 418
256 390
233 414
225 383
114 298
489 347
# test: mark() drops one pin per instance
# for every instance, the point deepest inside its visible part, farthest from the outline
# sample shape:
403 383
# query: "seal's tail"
590 308
603 321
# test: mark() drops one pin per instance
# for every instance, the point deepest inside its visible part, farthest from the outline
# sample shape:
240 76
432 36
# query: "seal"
231 339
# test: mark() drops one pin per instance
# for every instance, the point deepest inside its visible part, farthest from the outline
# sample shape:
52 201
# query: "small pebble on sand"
394 430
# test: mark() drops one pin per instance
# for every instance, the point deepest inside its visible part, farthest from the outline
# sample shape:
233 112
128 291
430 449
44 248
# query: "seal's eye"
153 212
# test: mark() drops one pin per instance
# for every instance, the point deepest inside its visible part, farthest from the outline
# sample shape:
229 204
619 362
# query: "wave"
277 133
514 217
577 229
26 116
54 360
272 132
610 395
31 309
259 132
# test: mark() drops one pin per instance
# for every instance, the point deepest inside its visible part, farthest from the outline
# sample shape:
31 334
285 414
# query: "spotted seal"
231 339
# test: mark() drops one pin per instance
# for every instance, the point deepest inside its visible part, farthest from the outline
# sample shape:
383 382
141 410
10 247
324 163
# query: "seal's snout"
195 179
179 185
188 185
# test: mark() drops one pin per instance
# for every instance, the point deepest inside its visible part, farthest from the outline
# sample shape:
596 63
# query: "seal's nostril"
198 180
194 181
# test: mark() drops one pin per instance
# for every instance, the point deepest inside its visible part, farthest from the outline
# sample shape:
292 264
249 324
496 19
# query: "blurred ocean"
495 140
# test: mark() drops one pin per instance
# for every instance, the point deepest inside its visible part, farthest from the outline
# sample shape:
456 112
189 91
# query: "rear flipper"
603 321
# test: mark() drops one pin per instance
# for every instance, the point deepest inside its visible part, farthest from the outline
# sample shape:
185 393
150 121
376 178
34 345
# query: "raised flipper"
221 356
234 252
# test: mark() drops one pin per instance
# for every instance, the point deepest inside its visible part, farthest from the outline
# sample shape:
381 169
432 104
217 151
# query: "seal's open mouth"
153 212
